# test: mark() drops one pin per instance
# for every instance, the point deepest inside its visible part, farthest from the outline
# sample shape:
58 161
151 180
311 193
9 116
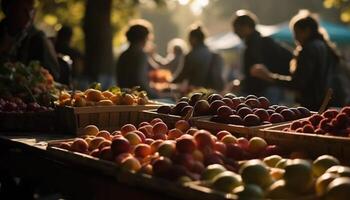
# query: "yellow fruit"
323 182
90 130
277 173
338 189
278 190
322 163
104 103
107 94
94 95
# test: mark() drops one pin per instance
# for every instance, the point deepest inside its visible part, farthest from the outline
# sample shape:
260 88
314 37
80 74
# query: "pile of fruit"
331 122
96 97
229 109
16 105
154 149
25 84
278 178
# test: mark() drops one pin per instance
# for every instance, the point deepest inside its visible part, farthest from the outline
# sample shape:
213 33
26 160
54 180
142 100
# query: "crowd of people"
310 71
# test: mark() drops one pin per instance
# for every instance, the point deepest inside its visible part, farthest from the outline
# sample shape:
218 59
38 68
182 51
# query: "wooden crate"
162 186
73 119
31 121
314 145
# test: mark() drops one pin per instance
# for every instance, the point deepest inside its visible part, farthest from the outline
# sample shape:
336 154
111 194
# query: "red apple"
119 146
127 128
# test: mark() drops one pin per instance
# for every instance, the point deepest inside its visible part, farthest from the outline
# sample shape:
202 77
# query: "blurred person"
314 68
175 56
259 50
63 48
21 41
202 67
132 65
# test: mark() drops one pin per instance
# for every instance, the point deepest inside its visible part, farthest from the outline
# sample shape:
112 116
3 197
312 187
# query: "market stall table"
25 156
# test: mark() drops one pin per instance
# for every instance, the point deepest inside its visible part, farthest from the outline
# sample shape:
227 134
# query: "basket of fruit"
108 109
321 133
202 165
26 98
236 114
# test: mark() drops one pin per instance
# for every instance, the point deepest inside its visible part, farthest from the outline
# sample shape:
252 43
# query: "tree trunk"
98 38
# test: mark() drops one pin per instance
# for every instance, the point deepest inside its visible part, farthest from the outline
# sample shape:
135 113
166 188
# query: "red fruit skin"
185 145
221 134
235 119
120 145
264 102
253 103
203 139
262 114
251 120
306 122
279 109
297 113
241 105
308 129
224 112
320 131
330 114
342 120
215 105
234 151
304 111
276 118
288 114
299 130
242 112
295 125
228 102
315 119
325 125
346 110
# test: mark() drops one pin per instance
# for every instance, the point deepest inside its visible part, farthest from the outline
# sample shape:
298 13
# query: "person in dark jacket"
132 65
259 50
202 68
20 41
314 67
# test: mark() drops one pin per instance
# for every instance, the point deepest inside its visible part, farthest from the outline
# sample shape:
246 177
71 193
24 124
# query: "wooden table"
25 156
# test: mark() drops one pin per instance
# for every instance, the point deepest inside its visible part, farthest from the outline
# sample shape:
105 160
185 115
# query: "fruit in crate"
96 97
229 109
331 122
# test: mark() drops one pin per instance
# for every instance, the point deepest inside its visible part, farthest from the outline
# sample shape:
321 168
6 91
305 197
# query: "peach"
228 139
93 95
315 119
160 128
141 135
182 125
251 120
185 145
224 112
105 143
95 143
162 166
264 102
154 145
142 150
104 102
174 134
276 118
295 125
262 114
201 108
143 124
127 99
257 145
155 120
105 134
147 130
133 138
118 159
117 136
198 155
220 147
160 136
234 151
130 164
308 129
120 145
164 109
95 153
106 153
79 145
191 131
90 130
215 105
221 134
203 139
107 94
127 128
64 145
149 141
166 148
243 143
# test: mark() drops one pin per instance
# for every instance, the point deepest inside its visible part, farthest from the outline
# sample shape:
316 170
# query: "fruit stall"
107 144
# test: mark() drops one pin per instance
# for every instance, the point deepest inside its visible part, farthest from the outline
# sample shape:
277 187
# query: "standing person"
314 67
259 51
202 68
175 57
132 65
21 41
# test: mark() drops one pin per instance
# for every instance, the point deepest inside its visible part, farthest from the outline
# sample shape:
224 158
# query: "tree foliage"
343 5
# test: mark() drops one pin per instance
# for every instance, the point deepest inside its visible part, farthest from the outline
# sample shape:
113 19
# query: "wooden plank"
103 120
116 108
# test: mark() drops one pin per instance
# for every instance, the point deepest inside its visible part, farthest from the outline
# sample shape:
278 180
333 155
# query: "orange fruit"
94 95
